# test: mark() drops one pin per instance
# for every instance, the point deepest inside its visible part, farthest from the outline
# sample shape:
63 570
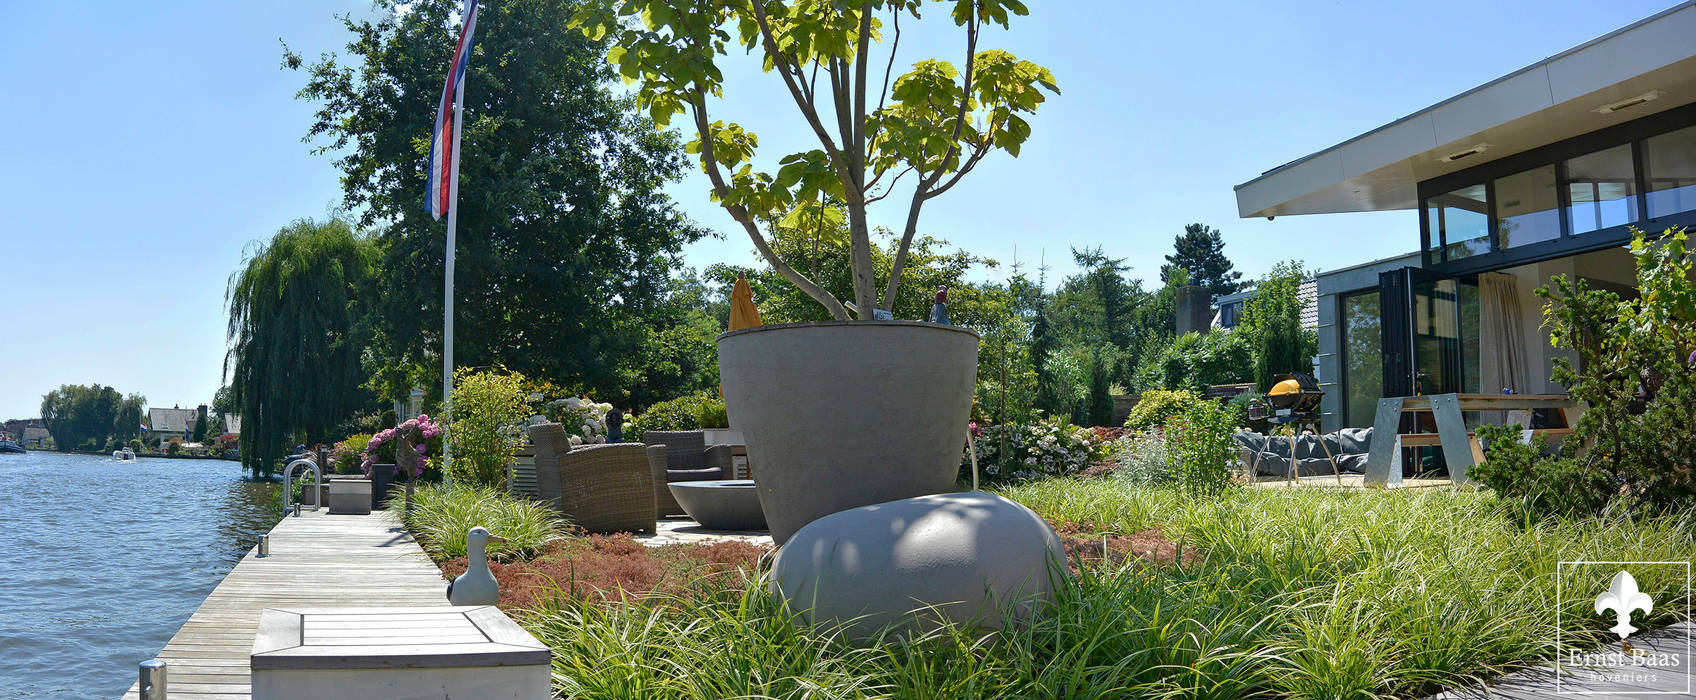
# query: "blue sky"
146 145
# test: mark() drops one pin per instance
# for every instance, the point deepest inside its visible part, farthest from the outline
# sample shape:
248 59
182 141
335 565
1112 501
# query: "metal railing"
288 489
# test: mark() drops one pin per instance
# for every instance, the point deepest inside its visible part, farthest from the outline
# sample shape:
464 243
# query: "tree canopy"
299 312
90 416
935 122
566 238
1200 250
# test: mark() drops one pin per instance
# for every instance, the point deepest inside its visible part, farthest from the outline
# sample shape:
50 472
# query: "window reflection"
1460 223
1602 187
1670 164
1363 352
1526 208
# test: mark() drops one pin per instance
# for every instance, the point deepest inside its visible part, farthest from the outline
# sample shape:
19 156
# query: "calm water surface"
101 561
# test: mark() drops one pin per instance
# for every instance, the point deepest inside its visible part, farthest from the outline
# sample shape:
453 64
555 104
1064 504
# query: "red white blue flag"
444 144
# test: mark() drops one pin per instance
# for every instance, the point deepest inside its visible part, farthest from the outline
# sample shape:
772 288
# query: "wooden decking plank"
317 561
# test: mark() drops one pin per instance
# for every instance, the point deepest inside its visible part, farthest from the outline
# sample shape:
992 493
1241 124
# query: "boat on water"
124 455
10 446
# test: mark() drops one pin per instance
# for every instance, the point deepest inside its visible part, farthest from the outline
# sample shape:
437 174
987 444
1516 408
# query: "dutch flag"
444 146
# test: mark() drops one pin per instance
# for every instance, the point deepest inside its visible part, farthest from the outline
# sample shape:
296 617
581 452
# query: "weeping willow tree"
298 328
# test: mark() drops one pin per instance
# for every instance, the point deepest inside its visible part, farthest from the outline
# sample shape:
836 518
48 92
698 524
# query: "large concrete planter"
844 414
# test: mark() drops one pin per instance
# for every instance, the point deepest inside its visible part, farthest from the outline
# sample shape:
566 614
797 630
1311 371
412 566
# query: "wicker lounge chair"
689 458
600 488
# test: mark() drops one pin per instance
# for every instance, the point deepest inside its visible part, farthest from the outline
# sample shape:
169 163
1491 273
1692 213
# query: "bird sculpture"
476 586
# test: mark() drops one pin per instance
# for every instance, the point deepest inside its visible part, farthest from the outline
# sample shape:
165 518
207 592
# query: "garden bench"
1461 449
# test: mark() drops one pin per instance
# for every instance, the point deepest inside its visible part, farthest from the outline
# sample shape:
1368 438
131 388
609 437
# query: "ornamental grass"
1274 593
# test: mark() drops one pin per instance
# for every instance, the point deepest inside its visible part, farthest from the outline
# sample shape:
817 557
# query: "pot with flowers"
860 409
407 447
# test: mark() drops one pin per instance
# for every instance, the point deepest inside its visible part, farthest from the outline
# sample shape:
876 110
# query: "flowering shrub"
419 431
1049 447
585 421
348 456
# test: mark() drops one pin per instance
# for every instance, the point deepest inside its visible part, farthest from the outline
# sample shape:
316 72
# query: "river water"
101 561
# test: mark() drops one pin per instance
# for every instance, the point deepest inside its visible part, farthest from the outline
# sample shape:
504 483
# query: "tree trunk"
865 280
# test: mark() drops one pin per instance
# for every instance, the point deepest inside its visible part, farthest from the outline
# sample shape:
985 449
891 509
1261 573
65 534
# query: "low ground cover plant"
608 569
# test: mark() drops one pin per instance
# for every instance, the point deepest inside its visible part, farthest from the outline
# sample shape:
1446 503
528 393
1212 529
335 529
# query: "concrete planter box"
349 496
369 653
722 436
838 415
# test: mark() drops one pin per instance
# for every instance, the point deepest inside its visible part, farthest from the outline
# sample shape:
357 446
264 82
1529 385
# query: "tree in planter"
936 121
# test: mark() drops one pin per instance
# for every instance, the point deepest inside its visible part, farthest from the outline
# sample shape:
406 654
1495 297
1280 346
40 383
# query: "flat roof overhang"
1552 100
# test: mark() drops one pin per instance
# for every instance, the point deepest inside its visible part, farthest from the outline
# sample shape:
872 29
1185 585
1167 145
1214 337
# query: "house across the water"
1538 173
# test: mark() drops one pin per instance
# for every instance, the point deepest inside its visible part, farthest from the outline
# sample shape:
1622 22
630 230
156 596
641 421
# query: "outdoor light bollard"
152 683
264 546
297 509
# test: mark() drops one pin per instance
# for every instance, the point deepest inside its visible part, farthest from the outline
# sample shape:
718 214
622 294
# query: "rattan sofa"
599 488
688 457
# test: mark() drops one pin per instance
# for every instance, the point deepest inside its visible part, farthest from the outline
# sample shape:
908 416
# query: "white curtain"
1503 360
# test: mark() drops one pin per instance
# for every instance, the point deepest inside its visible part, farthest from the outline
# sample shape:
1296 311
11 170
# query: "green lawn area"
1304 593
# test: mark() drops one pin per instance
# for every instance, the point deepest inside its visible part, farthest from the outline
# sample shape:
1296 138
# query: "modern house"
1540 172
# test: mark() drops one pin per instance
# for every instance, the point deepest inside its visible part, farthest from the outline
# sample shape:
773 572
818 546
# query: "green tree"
816 241
566 236
1099 404
126 419
488 407
199 434
1272 321
936 121
299 313
1200 250
83 417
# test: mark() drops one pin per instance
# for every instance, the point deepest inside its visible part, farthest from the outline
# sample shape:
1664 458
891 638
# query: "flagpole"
447 287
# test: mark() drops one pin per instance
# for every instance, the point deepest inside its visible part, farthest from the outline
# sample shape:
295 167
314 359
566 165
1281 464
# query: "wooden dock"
317 561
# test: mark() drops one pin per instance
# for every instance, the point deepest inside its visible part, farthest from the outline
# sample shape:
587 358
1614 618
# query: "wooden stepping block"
395 653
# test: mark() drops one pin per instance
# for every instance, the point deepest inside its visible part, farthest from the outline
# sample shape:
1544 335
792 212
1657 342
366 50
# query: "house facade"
1541 172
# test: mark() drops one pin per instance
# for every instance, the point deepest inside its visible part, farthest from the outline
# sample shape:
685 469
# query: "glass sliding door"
1362 360
1445 337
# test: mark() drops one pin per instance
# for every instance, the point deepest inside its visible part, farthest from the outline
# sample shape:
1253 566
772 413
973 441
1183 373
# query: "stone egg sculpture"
972 558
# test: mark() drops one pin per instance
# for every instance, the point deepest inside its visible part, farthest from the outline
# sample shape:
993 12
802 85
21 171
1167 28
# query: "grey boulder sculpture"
971 558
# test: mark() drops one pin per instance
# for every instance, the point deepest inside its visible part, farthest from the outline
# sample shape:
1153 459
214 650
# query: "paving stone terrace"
679 530
317 560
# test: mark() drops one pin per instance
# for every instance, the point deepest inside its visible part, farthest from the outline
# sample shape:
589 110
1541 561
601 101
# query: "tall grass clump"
441 514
